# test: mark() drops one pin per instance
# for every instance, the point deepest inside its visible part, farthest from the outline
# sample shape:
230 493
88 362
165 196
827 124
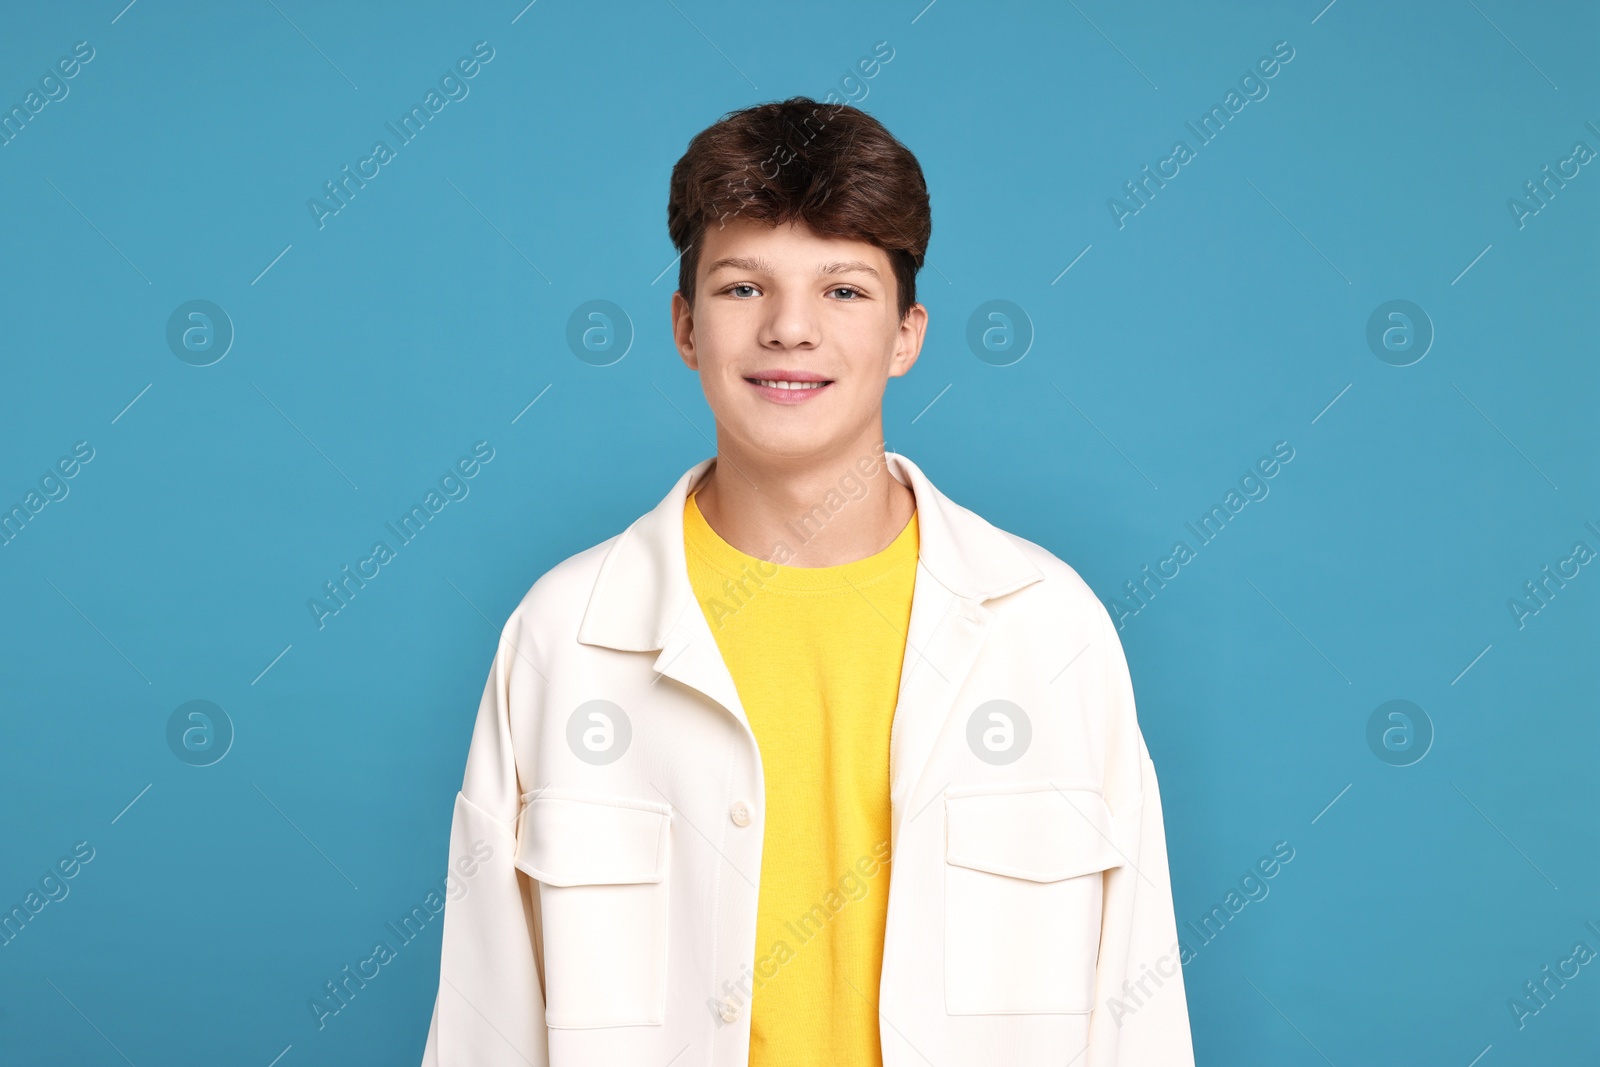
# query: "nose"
792 321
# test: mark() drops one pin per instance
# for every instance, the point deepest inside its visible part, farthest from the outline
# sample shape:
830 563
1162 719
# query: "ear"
683 331
908 340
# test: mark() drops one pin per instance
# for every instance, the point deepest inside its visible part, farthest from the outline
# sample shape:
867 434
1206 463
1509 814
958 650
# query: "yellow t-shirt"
815 653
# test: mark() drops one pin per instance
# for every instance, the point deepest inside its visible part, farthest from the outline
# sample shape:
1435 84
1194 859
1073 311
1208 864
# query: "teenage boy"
810 765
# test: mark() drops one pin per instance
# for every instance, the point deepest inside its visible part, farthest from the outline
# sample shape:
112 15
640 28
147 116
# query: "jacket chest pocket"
1023 882
601 864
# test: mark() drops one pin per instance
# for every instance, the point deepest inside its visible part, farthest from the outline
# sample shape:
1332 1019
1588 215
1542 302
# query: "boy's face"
783 302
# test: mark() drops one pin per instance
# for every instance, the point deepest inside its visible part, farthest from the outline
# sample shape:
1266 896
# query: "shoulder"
1061 607
1064 612
553 606
1063 590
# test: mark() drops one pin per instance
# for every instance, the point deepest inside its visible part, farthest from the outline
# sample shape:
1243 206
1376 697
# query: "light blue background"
1224 317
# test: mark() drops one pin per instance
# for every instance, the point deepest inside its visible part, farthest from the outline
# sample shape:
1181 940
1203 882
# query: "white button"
730 1010
739 813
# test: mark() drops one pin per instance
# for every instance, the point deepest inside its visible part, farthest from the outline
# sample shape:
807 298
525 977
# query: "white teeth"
789 385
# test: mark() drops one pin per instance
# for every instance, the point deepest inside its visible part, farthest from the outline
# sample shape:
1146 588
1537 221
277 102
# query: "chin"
795 442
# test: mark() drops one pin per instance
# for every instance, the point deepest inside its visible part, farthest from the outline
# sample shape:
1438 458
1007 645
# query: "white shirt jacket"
605 850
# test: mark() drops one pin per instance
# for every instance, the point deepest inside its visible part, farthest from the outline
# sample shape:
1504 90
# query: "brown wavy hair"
833 167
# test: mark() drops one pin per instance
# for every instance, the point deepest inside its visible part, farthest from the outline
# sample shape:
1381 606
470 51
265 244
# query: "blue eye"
846 289
741 286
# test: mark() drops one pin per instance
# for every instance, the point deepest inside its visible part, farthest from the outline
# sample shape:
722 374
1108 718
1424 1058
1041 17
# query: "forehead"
791 247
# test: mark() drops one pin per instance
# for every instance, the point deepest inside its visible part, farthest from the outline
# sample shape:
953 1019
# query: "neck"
820 510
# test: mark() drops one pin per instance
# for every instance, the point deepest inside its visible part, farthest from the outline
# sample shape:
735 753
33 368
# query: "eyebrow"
761 266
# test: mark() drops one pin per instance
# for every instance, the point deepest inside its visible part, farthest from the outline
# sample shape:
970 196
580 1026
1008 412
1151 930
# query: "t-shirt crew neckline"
709 547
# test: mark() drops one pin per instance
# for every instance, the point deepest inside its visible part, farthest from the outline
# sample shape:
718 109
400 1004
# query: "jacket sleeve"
489 1010
1141 1016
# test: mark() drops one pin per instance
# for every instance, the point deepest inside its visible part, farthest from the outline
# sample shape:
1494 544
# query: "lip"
788 396
776 375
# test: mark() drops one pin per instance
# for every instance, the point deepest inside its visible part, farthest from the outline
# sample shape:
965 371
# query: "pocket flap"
1040 833
568 840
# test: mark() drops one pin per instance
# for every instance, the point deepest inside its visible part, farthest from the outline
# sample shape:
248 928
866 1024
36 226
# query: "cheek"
718 377
717 338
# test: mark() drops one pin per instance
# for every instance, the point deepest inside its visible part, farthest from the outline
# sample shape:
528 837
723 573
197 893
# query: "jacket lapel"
963 561
642 601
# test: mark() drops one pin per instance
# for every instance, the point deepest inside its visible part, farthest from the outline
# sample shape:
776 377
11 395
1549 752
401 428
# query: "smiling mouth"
775 383
788 391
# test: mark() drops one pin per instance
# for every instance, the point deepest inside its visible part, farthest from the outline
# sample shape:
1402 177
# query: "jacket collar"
643 586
